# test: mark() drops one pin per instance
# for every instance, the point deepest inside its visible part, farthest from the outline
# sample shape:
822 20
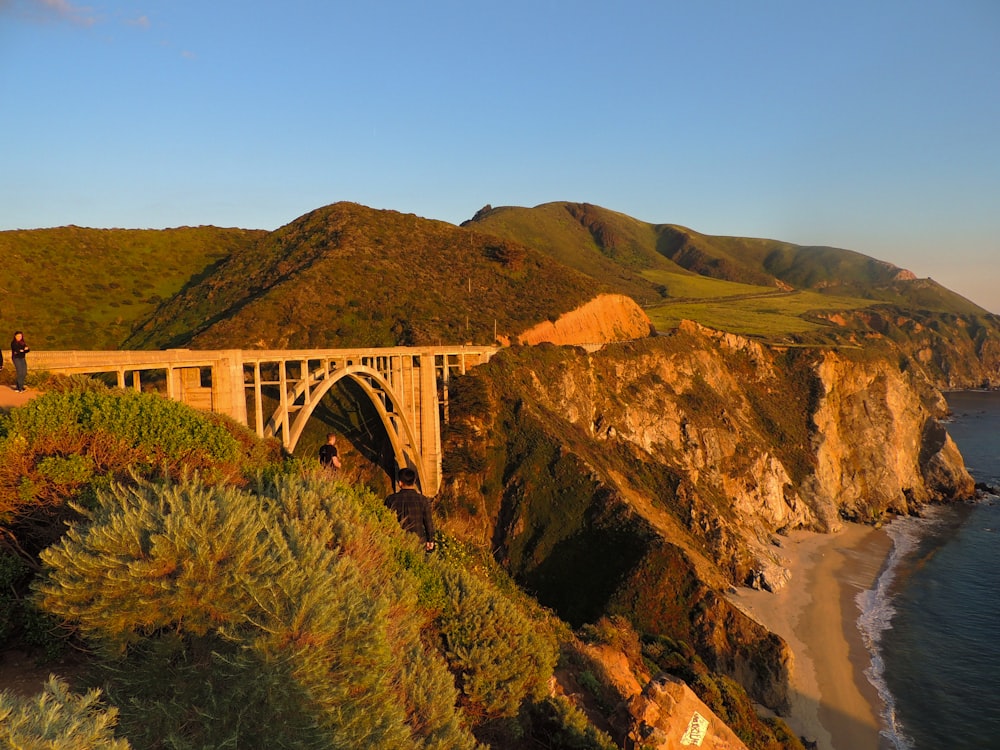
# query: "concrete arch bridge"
407 386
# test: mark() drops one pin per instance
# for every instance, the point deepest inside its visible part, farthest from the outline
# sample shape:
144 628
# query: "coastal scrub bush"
499 656
65 445
276 618
57 719
154 557
557 724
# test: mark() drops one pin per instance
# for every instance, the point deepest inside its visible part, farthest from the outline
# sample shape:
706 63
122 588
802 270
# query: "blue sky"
867 124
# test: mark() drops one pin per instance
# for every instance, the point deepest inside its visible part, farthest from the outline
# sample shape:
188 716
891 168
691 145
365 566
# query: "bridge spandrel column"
430 427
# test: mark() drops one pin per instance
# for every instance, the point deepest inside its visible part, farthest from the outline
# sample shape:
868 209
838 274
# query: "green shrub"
13 574
499 655
559 725
56 719
272 619
65 445
183 557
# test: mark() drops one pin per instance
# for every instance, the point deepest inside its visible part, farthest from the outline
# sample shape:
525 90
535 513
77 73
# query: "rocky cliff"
955 350
642 479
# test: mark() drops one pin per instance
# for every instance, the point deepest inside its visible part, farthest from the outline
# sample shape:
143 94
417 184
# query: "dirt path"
10 398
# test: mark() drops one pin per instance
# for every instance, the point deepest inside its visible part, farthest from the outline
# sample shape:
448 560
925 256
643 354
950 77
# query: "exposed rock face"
881 418
644 478
606 318
643 712
667 715
955 351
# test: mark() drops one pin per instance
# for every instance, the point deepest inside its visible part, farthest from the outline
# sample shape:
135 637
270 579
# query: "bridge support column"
228 393
258 400
430 427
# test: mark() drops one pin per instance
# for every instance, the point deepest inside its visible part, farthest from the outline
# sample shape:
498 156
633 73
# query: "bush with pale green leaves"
58 719
296 615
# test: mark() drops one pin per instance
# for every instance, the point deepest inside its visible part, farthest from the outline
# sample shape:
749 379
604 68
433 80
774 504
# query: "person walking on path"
412 509
328 456
18 348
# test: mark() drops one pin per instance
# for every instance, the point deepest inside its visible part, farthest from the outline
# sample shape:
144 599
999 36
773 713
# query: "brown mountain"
347 275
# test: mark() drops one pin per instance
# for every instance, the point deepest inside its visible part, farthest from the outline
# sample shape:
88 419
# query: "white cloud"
142 22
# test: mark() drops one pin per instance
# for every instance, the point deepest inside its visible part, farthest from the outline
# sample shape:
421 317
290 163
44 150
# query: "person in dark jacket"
412 509
18 348
328 456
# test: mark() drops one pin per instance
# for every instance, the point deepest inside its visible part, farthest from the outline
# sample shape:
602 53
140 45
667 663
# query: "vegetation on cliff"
83 288
253 602
772 290
646 478
345 275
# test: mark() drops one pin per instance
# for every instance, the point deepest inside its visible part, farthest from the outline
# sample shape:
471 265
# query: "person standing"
412 509
18 348
328 456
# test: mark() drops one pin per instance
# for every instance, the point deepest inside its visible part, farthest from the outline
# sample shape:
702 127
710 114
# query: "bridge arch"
379 391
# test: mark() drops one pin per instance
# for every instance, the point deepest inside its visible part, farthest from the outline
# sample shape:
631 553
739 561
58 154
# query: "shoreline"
832 702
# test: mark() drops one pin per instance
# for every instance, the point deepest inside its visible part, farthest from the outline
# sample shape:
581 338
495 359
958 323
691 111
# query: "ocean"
932 620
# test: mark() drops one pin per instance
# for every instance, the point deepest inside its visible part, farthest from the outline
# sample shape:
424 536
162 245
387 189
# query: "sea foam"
876 615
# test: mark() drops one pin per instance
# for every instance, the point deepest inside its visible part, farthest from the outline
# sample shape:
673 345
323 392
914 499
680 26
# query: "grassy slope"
756 287
347 275
600 243
73 287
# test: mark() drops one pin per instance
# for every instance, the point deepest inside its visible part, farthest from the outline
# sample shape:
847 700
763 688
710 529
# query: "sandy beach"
833 703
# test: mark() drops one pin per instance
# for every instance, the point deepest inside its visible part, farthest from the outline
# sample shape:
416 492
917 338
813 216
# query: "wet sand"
833 703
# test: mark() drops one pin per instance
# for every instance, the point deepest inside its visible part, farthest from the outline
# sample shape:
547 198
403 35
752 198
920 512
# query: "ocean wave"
876 616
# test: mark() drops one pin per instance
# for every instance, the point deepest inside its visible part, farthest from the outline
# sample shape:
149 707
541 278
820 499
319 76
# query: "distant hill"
758 287
605 243
347 275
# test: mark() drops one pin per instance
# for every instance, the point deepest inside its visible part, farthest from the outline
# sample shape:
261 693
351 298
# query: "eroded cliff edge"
643 479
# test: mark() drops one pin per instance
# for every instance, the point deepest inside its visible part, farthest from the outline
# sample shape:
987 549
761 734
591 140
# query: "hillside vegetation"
221 596
76 288
346 275
728 283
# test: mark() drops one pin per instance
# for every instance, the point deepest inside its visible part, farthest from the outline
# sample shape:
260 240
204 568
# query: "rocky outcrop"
879 445
956 351
642 479
667 715
606 318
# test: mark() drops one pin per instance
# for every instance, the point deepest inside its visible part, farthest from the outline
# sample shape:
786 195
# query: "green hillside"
72 287
347 275
598 242
751 286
